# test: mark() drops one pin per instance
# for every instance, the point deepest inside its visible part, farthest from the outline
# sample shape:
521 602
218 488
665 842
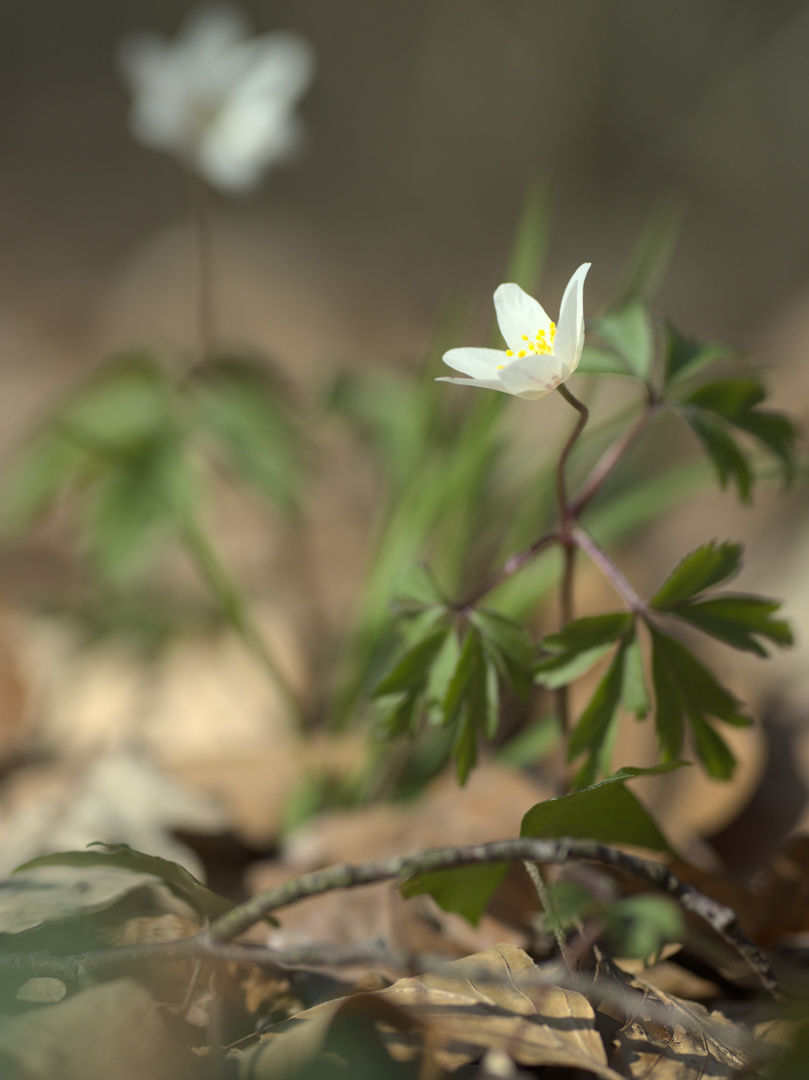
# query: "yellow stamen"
521 353
508 353
524 337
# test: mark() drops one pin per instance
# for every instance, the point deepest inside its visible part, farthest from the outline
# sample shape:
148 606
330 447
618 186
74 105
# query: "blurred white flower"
540 354
217 99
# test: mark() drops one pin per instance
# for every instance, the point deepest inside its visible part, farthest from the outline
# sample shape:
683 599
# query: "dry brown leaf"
14 694
119 796
654 1033
491 1000
114 1030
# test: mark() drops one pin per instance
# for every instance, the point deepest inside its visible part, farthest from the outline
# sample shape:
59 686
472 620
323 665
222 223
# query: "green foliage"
451 670
685 691
239 406
738 620
639 926
684 356
125 447
607 812
700 570
717 410
628 337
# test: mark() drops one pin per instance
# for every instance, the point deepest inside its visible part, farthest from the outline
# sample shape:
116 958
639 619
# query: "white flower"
218 100
540 354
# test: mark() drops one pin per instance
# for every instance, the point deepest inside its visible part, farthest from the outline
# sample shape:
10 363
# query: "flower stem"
565 511
199 205
610 460
566 521
598 555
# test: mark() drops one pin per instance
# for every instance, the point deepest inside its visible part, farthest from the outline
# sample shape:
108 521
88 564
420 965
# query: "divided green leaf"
592 734
508 647
738 620
241 406
685 691
715 406
728 460
684 356
699 570
628 332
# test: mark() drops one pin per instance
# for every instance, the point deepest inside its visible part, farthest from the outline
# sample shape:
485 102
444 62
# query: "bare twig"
216 942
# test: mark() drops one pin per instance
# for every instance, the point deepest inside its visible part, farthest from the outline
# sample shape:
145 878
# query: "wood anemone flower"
218 100
540 355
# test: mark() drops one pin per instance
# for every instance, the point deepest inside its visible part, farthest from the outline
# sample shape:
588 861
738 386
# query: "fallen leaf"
114 1030
491 1000
653 1033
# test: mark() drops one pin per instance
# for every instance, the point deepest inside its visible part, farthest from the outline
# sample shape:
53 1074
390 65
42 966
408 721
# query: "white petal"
518 314
533 377
479 363
283 64
210 30
485 384
570 329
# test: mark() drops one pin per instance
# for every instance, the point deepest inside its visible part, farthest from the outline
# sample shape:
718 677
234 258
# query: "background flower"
218 100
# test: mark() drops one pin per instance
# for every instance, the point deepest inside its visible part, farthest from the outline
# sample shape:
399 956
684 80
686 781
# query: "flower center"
543 343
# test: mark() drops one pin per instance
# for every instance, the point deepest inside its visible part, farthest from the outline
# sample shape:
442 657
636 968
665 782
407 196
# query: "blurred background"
427 122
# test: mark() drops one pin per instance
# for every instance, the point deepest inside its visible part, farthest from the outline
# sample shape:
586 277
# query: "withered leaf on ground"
114 1030
491 1000
653 1033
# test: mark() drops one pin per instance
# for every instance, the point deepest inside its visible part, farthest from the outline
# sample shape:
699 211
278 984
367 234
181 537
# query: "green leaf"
443 669
728 460
735 401
466 890
607 812
628 332
417 588
684 689
491 698
634 693
685 356
510 648
732 399
466 677
594 723
737 620
121 409
699 570
556 671
182 883
240 404
531 745
712 749
42 472
410 673
639 926
394 714
465 748
140 498
587 633
600 361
